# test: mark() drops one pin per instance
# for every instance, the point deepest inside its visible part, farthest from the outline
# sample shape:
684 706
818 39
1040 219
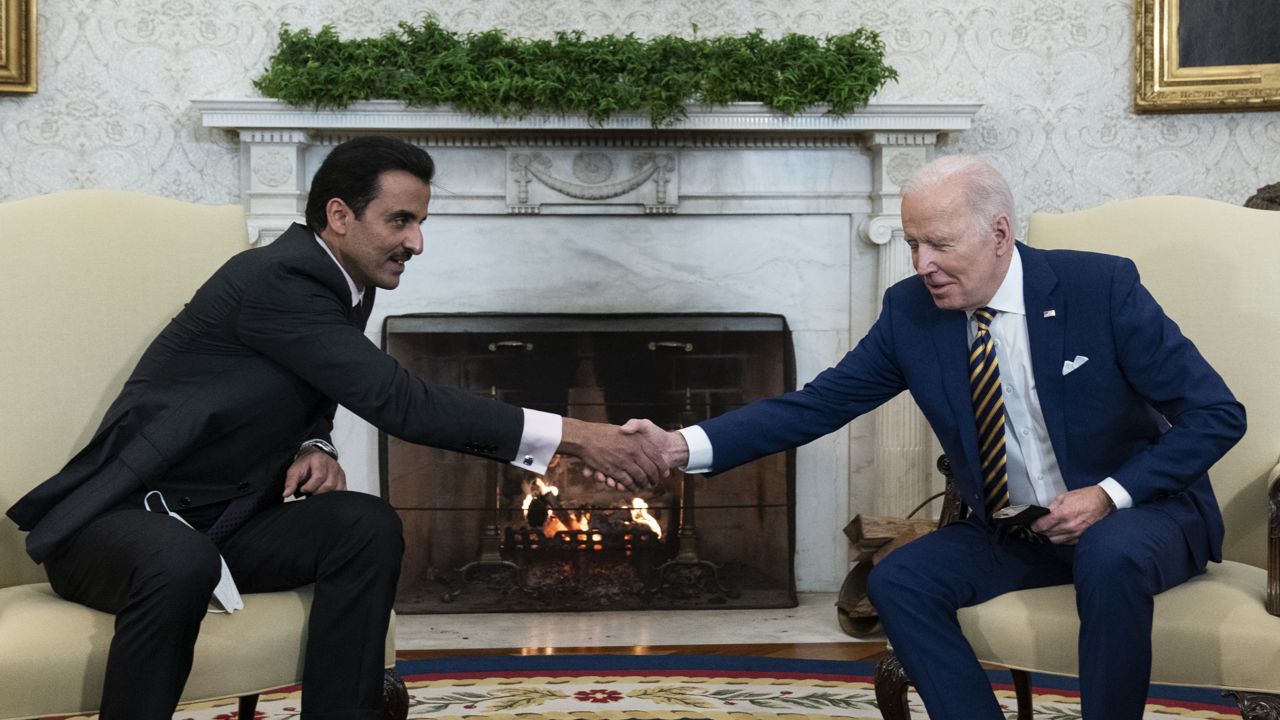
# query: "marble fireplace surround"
735 209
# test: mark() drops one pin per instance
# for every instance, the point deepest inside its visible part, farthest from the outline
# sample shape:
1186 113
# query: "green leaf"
488 73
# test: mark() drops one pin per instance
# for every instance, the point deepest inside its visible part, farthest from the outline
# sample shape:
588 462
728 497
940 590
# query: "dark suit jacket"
1145 408
251 367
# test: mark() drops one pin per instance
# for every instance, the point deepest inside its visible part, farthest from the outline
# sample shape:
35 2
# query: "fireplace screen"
484 536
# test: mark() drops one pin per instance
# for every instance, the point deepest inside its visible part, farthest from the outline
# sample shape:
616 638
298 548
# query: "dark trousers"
157 576
1117 568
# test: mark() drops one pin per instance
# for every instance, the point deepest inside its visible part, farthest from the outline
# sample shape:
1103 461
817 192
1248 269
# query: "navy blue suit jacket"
1145 408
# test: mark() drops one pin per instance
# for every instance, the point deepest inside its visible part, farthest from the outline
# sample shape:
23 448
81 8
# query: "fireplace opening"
483 536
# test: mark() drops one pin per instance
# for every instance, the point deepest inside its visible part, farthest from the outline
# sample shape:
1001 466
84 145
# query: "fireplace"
485 536
752 211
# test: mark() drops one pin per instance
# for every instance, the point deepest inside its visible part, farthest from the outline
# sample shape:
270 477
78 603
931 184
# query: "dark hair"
351 171
1267 198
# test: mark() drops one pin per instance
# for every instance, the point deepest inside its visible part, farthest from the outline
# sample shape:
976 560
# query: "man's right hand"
623 461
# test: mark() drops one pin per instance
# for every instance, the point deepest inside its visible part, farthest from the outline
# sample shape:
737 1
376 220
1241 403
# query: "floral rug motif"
682 687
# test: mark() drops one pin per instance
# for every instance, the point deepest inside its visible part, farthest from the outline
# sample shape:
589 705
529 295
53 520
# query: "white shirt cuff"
699 449
1119 495
539 441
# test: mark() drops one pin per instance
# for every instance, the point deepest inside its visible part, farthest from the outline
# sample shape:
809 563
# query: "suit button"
184 501
243 486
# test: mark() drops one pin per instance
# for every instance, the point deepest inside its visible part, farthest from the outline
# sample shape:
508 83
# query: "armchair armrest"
1273 541
953 508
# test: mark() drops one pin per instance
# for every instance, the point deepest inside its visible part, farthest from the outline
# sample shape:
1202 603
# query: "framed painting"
17 46
1206 55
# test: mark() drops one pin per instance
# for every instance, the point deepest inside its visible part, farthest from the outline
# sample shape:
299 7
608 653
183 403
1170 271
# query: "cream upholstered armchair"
89 278
1213 267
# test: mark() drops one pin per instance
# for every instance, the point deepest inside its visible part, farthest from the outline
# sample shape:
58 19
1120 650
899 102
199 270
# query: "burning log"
537 511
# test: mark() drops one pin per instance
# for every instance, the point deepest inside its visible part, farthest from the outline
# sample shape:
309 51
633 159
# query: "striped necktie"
988 411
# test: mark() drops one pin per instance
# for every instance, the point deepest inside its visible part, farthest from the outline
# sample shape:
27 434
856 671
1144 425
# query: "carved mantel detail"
536 181
282 145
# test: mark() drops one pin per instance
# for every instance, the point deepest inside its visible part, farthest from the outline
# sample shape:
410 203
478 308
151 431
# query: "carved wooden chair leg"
395 695
891 688
247 706
1256 706
1022 687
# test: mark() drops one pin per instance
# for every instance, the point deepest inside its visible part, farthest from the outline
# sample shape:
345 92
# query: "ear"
1003 235
339 215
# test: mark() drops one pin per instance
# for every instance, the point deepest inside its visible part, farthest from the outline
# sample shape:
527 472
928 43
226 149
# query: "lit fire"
560 520
640 514
577 520
537 488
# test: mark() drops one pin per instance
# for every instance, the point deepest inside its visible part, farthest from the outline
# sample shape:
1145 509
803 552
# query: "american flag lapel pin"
1050 313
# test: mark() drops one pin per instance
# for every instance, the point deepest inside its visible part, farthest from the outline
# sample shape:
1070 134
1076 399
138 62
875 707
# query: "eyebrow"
406 214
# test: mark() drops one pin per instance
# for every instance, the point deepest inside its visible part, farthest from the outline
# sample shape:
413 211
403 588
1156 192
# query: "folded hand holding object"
1018 515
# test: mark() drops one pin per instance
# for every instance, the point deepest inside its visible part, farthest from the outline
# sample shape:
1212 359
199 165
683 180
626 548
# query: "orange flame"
640 514
577 521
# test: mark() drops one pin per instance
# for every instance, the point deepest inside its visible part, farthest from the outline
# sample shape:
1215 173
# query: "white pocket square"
1070 365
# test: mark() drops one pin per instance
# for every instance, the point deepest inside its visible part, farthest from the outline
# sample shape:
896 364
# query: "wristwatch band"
321 445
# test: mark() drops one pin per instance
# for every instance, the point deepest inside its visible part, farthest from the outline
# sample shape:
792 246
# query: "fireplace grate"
527 540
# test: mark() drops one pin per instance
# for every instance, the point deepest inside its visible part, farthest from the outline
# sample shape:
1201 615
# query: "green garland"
490 74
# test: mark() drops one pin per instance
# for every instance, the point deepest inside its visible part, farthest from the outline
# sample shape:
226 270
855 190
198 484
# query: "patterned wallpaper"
117 77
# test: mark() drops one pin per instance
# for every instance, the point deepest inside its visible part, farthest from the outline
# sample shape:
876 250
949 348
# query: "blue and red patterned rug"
679 687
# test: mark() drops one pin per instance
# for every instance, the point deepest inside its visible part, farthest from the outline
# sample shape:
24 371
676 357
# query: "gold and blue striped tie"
988 411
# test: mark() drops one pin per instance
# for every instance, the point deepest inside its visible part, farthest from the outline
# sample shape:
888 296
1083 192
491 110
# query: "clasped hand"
633 457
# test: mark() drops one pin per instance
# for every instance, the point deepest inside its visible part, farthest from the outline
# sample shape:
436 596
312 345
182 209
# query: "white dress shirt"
541 434
1034 475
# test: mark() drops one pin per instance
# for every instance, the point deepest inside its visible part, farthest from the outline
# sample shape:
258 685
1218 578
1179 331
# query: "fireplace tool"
490 539
687 563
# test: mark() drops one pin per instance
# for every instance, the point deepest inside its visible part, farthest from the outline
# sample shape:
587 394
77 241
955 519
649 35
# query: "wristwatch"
321 445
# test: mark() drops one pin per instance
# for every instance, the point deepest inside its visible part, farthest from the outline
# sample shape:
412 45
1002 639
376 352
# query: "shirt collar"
1008 297
356 295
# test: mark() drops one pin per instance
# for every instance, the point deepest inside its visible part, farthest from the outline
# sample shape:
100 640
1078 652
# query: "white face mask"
225 595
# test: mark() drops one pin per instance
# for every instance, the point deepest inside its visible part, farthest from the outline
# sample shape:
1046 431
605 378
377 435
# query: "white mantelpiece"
736 209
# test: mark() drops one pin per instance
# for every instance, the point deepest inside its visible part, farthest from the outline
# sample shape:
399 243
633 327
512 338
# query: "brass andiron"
687 559
490 539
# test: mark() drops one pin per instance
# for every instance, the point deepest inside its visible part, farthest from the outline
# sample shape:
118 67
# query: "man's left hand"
314 472
1072 512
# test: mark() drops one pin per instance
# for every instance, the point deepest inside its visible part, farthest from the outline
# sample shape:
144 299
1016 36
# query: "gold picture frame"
1162 85
17 46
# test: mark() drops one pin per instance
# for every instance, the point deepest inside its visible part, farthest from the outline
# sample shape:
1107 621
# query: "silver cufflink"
528 459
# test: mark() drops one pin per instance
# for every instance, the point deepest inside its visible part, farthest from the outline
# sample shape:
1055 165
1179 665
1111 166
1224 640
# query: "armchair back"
1214 268
89 278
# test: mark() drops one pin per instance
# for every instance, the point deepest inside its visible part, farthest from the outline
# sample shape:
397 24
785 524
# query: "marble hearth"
732 210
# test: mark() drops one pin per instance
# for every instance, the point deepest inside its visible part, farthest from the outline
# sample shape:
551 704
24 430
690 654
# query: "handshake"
630 457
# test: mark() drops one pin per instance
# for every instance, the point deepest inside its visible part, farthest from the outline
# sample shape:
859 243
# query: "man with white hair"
1053 380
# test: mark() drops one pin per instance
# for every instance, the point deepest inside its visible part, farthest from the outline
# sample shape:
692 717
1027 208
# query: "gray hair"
985 189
